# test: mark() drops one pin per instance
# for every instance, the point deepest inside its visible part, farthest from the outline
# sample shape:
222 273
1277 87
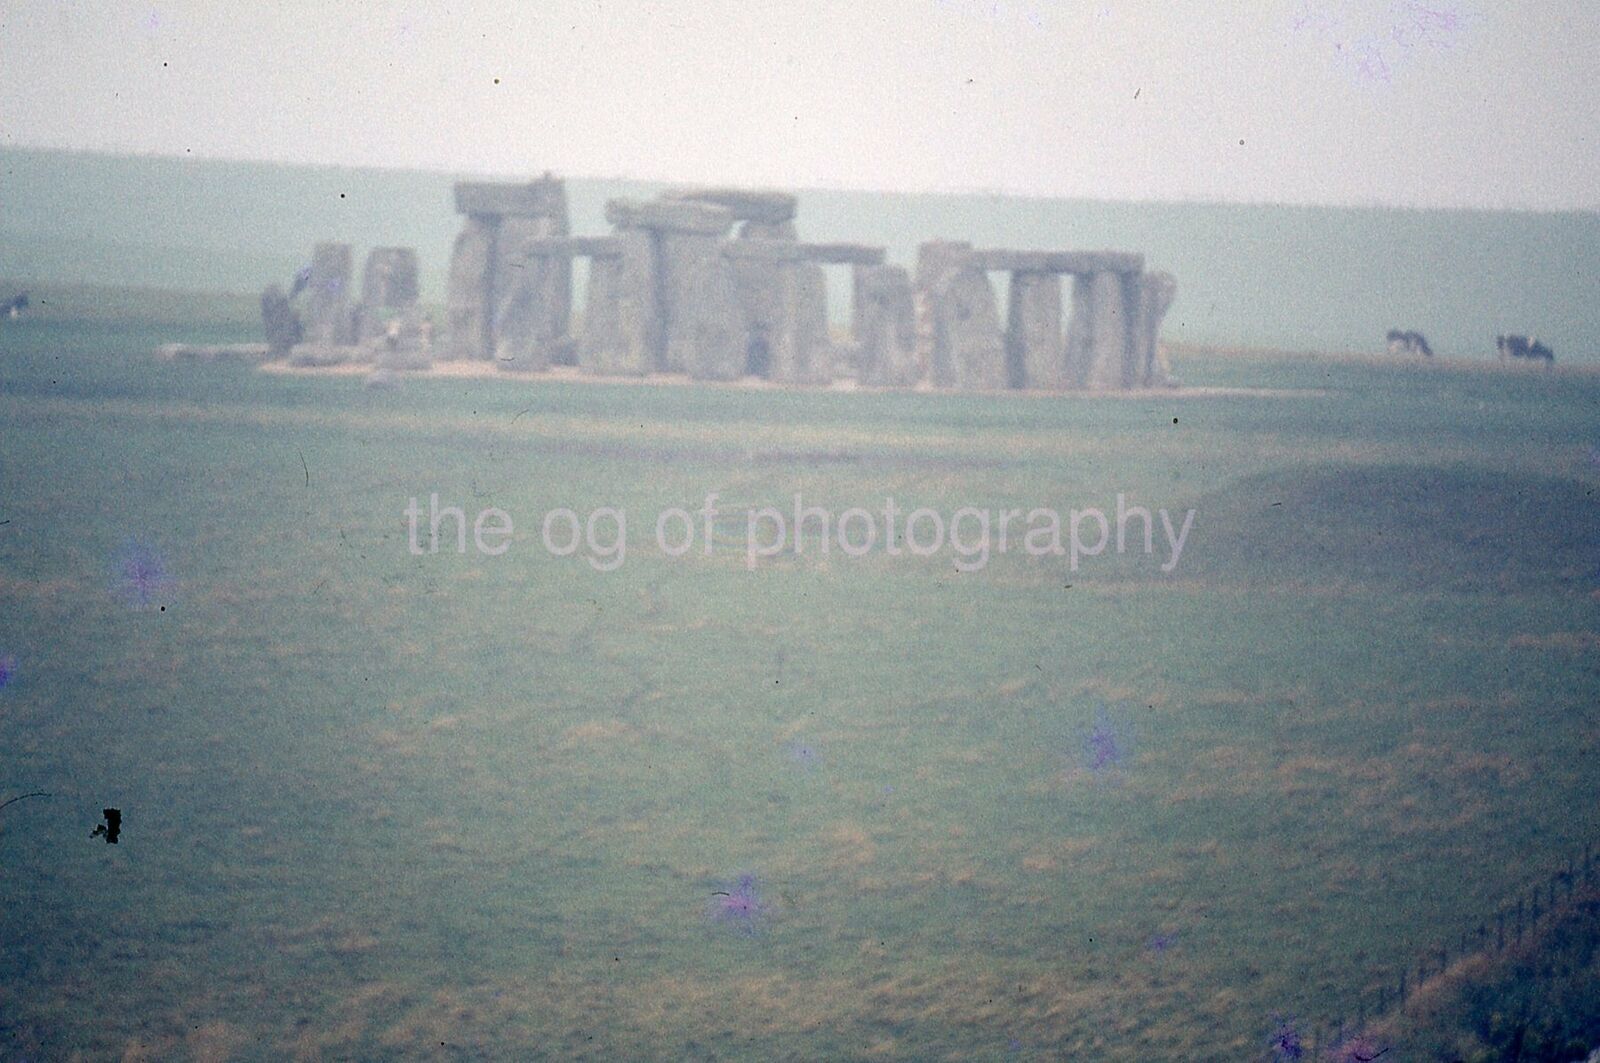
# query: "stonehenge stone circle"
716 284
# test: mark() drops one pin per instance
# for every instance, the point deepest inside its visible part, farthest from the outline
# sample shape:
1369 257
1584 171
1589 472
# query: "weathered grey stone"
1157 292
1108 332
752 205
504 303
769 251
1033 338
958 320
390 277
937 263
545 197
763 287
887 327
470 289
755 230
388 287
782 303
279 322
971 325
404 342
791 251
622 321
705 219
326 300
809 358
1057 261
1080 335
700 309
531 293
837 254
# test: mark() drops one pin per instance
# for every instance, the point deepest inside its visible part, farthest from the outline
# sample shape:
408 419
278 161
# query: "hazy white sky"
1422 102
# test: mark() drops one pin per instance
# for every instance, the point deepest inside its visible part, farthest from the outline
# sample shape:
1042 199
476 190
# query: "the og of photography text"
970 534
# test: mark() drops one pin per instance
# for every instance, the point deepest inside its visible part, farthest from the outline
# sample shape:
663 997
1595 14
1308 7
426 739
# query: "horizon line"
962 192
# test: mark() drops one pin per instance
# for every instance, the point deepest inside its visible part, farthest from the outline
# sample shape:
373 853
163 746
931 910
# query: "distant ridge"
1324 278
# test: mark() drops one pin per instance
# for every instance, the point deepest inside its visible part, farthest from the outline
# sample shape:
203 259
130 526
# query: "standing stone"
532 315
388 288
327 315
279 322
938 261
1080 332
1108 344
783 310
1033 339
888 327
809 357
622 318
1156 295
498 308
701 322
970 321
531 294
467 302
763 285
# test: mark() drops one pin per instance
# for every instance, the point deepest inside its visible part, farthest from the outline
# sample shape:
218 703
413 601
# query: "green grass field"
379 805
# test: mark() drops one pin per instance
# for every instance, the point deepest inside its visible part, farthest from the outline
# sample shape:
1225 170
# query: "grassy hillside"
377 802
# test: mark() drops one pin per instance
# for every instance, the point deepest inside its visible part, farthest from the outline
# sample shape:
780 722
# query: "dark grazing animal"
1522 347
111 828
1408 343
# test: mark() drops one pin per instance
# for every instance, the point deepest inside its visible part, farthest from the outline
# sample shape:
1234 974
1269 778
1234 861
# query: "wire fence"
1394 991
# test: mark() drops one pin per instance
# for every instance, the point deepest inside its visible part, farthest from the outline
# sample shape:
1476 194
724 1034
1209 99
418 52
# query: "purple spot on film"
1163 942
804 753
1373 39
1107 746
1285 1042
142 578
739 907
8 670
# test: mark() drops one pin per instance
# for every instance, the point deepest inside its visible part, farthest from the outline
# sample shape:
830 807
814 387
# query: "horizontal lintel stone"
766 207
1080 262
531 199
791 251
843 254
680 216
